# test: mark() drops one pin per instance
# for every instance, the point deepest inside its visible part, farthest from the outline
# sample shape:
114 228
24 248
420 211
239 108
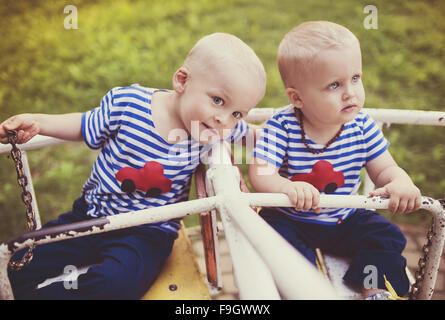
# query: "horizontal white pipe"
399 116
119 221
136 218
339 201
328 201
36 142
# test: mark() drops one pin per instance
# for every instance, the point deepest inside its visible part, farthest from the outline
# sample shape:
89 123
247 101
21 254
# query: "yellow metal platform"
180 278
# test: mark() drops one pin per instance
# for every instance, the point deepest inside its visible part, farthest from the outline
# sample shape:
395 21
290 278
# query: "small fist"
25 125
403 198
302 195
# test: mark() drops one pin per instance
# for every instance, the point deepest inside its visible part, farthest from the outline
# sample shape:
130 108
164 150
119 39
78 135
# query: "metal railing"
264 263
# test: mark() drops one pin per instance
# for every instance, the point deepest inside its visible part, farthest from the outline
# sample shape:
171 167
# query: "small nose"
222 119
348 93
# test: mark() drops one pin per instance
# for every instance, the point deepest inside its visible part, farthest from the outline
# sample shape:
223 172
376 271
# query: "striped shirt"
281 145
123 127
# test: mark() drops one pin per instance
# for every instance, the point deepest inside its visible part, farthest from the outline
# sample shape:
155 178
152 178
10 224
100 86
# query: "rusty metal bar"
208 233
94 226
435 207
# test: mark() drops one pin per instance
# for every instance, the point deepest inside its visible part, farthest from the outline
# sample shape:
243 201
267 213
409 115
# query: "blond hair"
217 49
299 46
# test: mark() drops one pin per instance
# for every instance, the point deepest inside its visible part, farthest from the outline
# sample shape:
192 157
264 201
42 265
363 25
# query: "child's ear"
294 97
180 79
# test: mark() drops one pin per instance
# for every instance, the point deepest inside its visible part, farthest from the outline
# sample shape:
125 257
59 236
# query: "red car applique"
323 177
150 179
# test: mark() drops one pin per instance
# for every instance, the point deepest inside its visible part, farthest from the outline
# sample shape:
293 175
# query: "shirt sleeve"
239 132
375 142
273 142
100 123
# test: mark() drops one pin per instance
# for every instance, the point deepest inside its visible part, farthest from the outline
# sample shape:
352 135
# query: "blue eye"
355 78
334 85
237 115
218 101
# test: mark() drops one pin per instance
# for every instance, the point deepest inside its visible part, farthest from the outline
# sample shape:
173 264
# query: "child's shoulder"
134 90
285 115
362 116
362 120
134 97
362 125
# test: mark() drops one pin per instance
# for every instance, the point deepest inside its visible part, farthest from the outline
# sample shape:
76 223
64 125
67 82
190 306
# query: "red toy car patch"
150 179
323 177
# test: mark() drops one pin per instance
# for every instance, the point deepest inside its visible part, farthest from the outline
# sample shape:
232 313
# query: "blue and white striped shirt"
123 127
280 144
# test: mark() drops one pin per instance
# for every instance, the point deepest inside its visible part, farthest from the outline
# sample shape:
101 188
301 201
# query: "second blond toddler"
318 145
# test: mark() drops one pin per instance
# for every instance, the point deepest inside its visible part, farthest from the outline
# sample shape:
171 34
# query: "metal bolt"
173 287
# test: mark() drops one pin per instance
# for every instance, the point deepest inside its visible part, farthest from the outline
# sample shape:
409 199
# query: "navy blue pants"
365 236
125 262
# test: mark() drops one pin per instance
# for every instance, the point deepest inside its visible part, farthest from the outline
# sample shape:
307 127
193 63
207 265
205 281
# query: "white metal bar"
434 255
28 175
399 116
328 201
36 142
295 277
134 218
119 221
5 286
252 276
219 284
339 201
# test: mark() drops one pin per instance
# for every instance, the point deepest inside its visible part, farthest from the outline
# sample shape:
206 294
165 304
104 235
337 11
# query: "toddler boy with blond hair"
324 134
219 82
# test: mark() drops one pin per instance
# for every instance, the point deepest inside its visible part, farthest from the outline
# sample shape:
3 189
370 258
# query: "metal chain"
22 180
420 273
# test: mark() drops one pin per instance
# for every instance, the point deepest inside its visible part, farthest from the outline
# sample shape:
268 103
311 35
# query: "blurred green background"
46 68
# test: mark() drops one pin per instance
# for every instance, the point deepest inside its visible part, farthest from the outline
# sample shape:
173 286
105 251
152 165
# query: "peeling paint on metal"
5 286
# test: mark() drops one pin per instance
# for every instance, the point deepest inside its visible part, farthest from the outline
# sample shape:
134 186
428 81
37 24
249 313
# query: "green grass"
45 68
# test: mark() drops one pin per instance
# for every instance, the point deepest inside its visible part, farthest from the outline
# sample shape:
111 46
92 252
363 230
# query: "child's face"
214 100
333 93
